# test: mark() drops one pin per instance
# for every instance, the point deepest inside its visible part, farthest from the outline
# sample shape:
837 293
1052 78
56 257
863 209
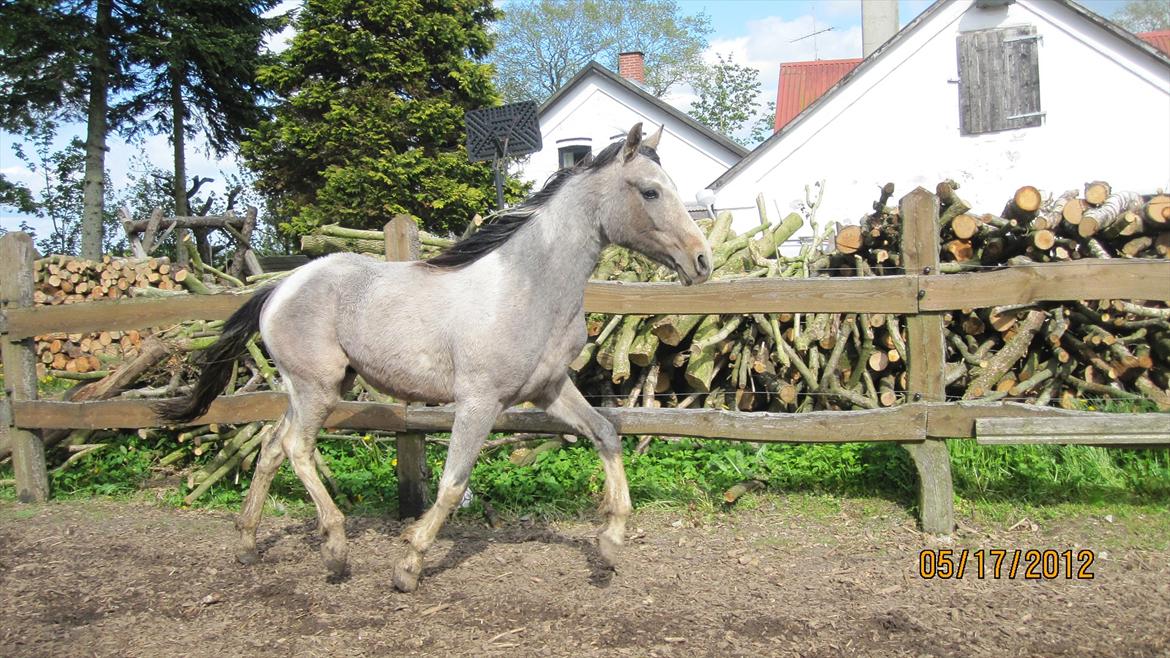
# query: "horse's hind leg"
271 457
566 403
473 421
309 404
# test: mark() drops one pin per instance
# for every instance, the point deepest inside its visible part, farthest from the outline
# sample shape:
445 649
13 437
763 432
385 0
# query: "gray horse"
491 322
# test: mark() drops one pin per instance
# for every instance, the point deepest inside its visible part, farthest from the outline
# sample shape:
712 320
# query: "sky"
758 33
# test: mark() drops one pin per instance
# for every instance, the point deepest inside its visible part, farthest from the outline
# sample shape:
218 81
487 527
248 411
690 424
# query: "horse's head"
649 215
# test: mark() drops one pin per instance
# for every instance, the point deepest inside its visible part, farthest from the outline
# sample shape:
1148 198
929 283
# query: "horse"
492 321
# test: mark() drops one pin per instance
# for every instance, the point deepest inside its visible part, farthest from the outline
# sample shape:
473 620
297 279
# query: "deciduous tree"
541 45
727 97
1143 15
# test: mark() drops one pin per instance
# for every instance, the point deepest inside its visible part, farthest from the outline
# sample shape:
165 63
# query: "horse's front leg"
473 421
566 403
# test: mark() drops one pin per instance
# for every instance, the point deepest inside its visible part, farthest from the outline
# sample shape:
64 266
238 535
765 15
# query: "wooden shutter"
999 80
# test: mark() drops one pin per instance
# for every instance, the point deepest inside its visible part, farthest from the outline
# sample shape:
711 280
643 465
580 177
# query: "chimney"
632 67
879 22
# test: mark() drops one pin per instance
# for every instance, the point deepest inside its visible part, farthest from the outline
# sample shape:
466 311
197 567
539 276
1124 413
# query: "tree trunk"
94 187
179 180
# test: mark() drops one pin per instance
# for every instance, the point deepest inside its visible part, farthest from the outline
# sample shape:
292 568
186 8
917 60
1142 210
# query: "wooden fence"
920 425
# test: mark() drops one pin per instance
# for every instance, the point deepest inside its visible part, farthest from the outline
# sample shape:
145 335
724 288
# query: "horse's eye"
650 194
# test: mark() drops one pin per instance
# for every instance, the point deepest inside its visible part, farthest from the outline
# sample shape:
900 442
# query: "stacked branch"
332 238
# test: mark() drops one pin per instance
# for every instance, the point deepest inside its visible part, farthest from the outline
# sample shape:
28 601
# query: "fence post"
927 360
402 243
20 370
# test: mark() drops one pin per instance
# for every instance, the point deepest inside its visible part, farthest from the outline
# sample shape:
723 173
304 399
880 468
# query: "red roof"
1159 39
801 83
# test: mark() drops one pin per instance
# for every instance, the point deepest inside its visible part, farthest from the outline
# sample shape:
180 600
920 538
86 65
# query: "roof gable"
593 68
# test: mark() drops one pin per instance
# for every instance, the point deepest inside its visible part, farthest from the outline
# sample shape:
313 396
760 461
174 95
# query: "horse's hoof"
406 573
404 580
337 568
335 559
247 556
610 550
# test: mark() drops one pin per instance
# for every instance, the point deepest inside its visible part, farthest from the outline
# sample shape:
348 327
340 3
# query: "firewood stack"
1043 353
69 280
1031 228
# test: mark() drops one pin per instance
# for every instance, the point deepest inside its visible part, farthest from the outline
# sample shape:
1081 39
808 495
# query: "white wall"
1107 118
592 111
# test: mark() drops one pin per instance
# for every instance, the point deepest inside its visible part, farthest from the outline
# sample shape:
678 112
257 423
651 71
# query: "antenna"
814 33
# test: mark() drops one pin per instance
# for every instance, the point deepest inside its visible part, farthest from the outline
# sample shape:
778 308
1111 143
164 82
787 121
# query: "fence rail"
921 294
1065 281
908 423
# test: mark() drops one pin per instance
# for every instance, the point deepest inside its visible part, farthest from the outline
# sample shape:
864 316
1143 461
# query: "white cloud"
19 174
770 41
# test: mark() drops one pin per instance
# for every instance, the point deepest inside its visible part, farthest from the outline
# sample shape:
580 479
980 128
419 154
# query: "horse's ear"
633 141
651 142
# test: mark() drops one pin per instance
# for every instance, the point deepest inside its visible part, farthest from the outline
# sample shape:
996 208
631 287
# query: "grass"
991 482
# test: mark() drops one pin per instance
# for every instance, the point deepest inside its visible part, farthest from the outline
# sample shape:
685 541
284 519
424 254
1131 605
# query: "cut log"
1024 205
673 329
850 239
1096 192
1157 212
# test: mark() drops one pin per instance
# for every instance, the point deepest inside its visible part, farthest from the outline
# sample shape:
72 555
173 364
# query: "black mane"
506 223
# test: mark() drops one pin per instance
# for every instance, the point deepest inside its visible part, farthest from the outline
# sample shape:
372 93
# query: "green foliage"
765 124
44 48
63 61
370 117
541 45
199 60
1051 474
687 473
727 97
208 52
118 469
1143 15
16 196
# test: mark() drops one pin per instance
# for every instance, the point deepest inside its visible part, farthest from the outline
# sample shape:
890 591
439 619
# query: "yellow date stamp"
1006 563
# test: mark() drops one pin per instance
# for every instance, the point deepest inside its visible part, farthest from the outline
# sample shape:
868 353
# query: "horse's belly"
411 377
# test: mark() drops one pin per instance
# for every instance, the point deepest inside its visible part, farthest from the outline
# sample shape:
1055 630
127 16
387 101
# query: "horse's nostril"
702 262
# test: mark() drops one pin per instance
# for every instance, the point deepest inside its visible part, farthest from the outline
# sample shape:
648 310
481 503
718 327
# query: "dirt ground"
135 579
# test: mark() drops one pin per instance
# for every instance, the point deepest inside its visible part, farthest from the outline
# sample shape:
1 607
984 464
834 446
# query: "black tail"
217 362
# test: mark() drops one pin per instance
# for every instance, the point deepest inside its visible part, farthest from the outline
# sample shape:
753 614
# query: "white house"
598 106
994 94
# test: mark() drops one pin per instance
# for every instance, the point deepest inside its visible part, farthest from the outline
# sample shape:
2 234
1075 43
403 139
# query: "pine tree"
370 117
199 60
63 61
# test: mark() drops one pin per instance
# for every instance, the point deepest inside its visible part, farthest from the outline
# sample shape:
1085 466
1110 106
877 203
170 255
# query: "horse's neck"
560 247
